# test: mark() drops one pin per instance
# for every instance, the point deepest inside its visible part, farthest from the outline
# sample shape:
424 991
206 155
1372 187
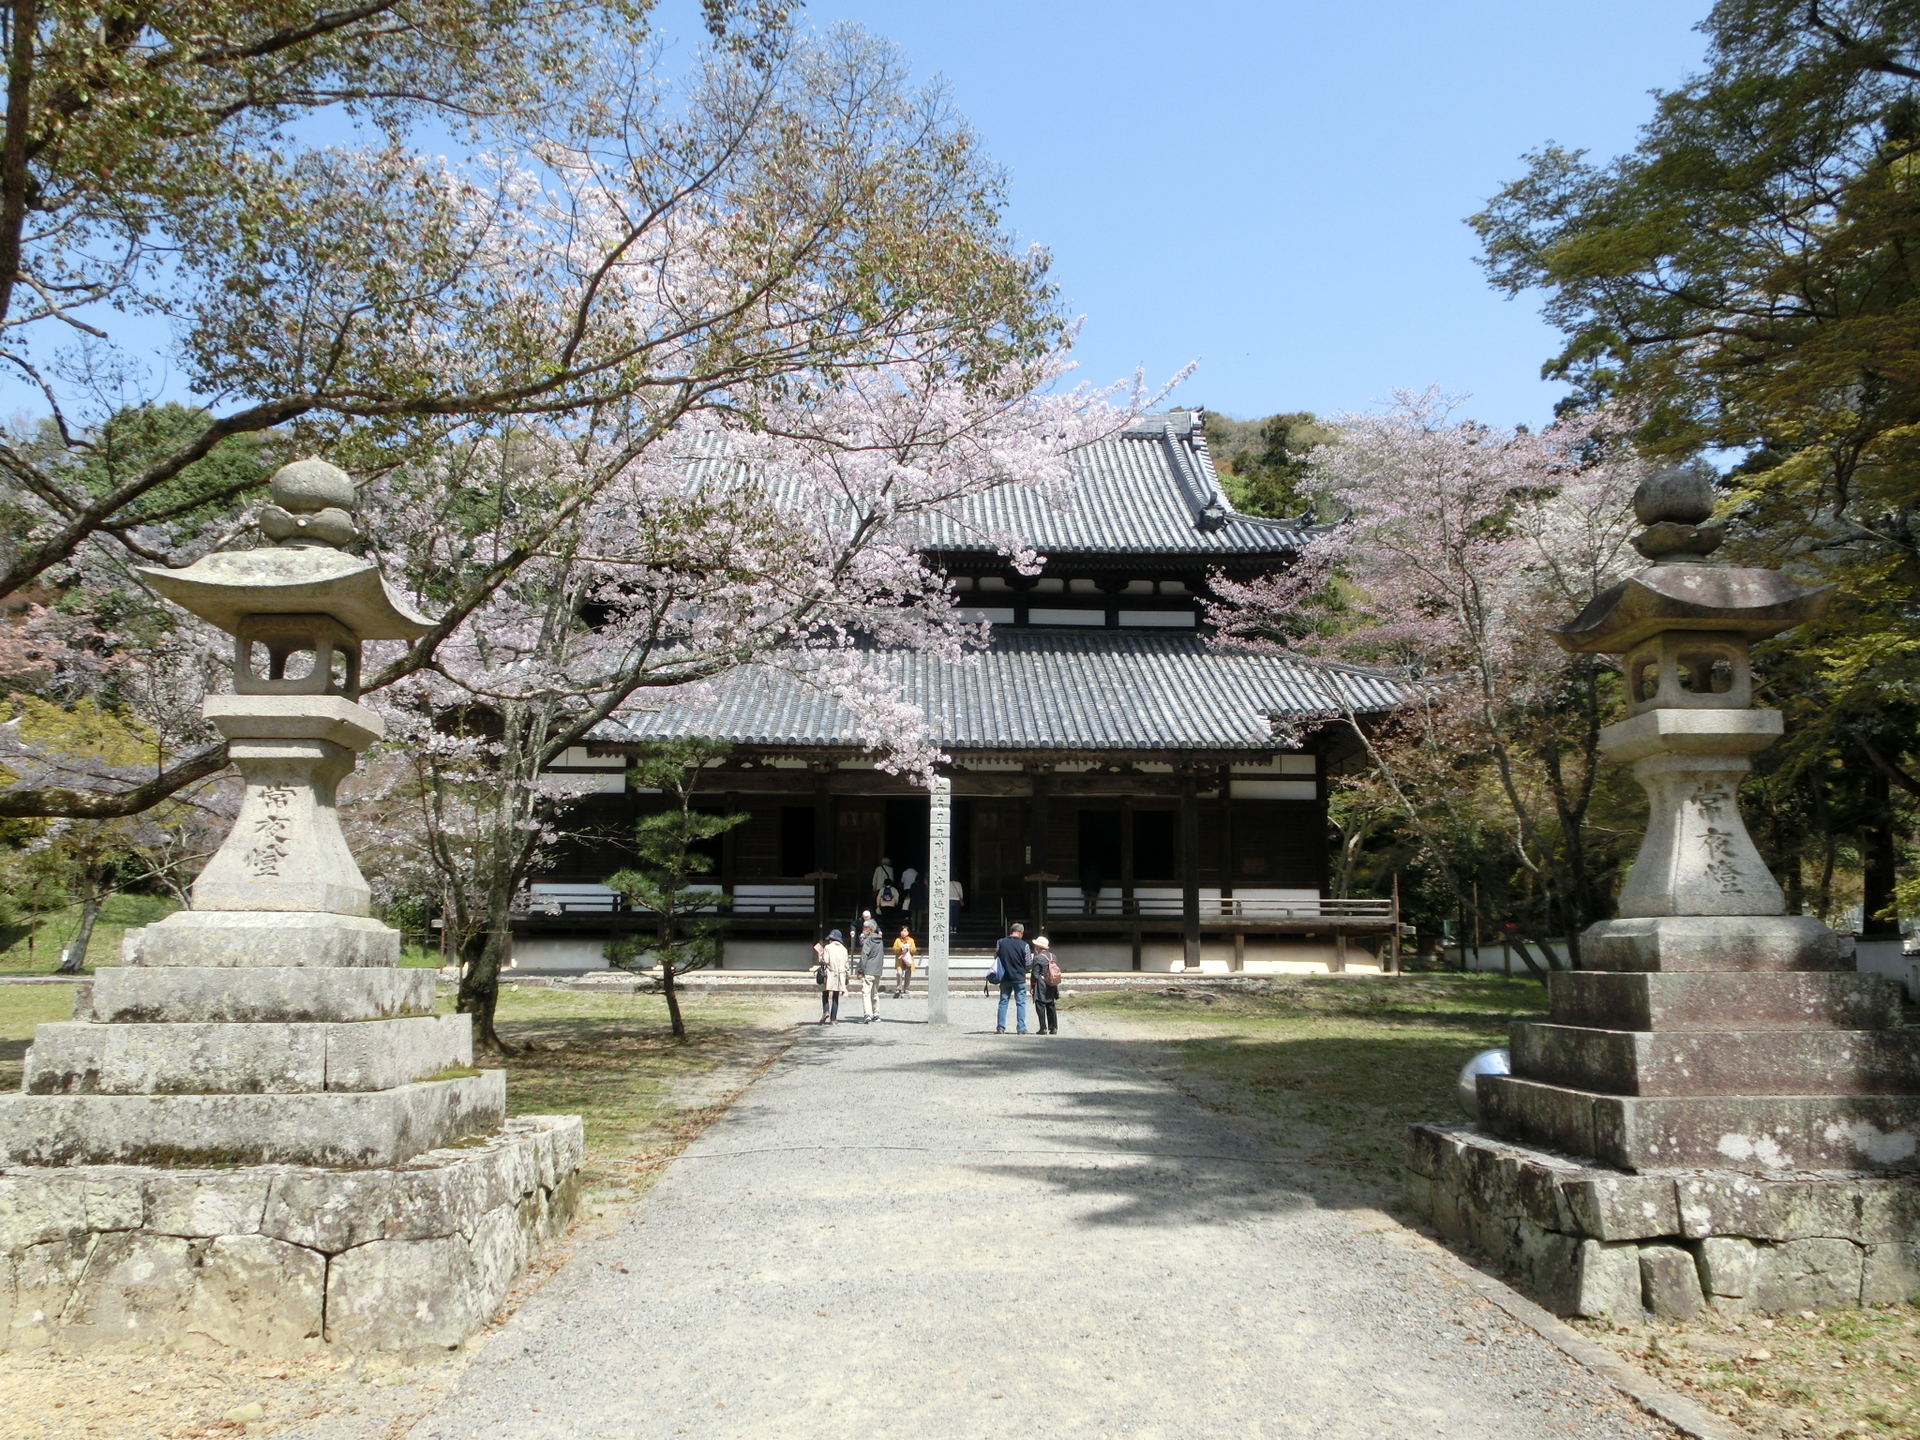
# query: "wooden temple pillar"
1190 868
823 874
729 846
1039 873
1128 905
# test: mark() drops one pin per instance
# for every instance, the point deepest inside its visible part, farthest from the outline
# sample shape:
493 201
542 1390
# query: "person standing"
883 883
1012 957
909 878
903 953
833 977
873 964
956 902
1045 975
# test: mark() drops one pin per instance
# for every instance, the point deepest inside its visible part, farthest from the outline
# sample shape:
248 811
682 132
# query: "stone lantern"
256 1130
1719 1109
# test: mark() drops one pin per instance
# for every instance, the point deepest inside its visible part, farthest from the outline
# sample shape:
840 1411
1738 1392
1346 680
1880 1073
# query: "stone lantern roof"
304 572
1691 596
225 587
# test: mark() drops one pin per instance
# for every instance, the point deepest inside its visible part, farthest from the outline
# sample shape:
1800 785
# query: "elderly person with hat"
1045 975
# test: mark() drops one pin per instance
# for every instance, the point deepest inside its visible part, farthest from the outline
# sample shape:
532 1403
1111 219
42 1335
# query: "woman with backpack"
1045 977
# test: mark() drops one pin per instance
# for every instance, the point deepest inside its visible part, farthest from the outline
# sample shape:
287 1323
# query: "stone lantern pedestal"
255 1132
1718 1110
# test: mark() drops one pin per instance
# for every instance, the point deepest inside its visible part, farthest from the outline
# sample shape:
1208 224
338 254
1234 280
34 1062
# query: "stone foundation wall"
1592 1241
280 1259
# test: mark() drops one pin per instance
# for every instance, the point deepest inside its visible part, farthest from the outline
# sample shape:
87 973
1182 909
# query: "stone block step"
1879 1133
1727 1062
352 1131
273 938
1692 943
138 994
82 1058
272 1260
1786 1000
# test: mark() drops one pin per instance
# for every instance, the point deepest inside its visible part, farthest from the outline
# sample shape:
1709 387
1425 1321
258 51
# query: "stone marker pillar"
255 1132
1717 1084
939 872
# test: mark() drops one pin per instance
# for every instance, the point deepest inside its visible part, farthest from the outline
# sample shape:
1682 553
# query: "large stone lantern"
255 1131
1719 1109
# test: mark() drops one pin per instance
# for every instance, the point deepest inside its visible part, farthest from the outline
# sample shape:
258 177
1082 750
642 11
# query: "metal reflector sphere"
1487 1062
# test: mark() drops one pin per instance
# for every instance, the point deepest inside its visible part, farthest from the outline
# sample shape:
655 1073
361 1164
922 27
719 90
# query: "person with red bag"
1045 976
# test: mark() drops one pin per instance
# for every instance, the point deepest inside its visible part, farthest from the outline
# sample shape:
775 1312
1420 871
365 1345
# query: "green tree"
687 928
1747 279
1263 463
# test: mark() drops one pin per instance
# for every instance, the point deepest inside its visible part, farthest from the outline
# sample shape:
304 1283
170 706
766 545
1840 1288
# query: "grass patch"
21 1008
118 914
1333 1069
1847 1372
611 1059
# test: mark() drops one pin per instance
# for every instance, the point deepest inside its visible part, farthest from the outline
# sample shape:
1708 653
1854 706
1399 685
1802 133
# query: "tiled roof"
1040 690
1149 490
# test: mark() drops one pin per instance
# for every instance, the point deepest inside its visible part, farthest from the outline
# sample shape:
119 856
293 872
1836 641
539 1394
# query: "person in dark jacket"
1013 957
873 964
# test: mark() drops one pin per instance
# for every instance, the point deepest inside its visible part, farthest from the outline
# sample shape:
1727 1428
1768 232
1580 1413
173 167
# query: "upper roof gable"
1150 490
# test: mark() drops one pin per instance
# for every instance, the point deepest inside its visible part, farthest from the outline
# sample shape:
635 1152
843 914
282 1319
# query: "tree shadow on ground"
1217 1127
1129 1152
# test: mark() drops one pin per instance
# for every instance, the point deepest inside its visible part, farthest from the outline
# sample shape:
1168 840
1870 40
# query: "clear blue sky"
1276 188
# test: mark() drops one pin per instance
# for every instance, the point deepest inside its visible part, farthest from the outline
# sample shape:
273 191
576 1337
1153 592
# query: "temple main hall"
1147 799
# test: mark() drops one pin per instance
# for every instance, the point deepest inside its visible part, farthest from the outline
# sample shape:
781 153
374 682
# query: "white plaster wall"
1094 955
1883 957
533 956
1489 957
770 955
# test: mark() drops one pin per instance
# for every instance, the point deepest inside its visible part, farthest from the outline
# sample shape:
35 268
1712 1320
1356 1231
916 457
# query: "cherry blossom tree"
1461 544
793 544
608 261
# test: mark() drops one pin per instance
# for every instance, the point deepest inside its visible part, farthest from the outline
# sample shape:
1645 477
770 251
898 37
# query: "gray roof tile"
1040 690
1149 490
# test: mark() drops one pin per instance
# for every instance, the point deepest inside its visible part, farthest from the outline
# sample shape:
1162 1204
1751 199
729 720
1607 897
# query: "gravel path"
950 1233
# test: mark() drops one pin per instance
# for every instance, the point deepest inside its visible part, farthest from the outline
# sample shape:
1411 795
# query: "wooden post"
1190 868
939 871
1129 905
1339 949
823 848
1042 782
1393 950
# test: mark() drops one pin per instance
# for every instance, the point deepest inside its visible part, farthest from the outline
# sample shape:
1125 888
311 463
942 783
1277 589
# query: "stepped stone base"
352 1130
1727 944
83 1058
280 1260
1589 1240
247 938
1663 1132
130 994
